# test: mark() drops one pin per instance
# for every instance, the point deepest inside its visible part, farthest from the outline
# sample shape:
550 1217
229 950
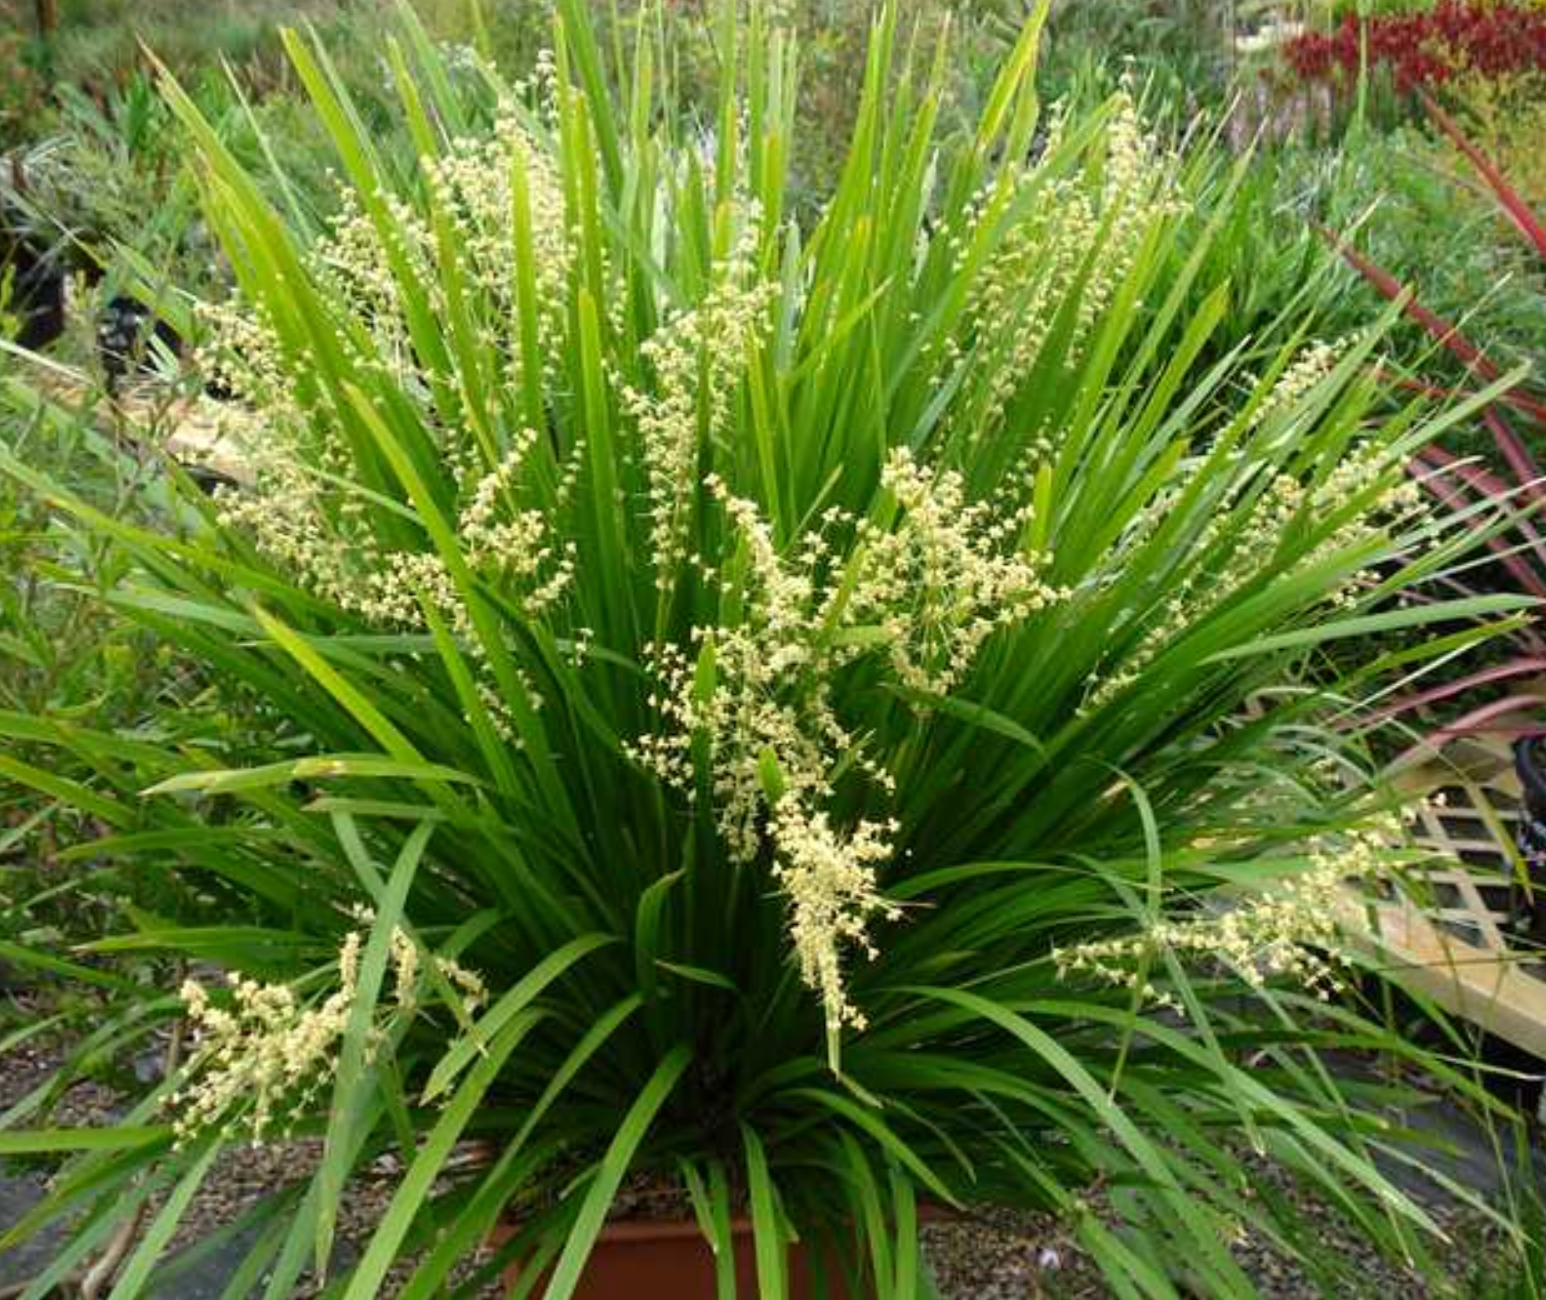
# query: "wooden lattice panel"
1465 891
193 430
1447 934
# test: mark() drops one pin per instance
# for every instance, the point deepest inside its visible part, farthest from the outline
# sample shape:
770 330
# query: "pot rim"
625 1229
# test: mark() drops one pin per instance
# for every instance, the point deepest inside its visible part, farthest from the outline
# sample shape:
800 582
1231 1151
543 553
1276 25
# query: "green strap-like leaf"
609 1176
352 1085
317 768
158 1236
509 1005
54 1141
767 1225
419 1181
473 1225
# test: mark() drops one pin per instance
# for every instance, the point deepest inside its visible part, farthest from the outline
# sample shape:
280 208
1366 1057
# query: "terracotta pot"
670 1260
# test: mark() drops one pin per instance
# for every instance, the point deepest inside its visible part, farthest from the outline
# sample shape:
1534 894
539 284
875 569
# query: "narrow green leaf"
767 1225
417 1184
352 1082
510 1004
610 1173
54 1141
158 1236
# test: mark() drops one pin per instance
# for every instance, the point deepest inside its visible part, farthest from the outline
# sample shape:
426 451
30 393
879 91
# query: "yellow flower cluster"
1292 932
1069 239
829 880
502 540
267 1057
944 577
772 671
1194 593
303 510
472 186
697 358
1313 364
919 589
360 265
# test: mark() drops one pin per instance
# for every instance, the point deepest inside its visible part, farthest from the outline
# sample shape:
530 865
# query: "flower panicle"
1292 932
262 1060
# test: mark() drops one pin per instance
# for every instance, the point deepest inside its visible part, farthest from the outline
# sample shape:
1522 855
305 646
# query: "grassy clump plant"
751 705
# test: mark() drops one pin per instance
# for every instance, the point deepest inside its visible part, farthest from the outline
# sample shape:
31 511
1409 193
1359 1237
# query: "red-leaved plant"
1518 484
1425 48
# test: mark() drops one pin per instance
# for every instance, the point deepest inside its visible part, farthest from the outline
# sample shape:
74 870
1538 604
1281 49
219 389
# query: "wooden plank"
1467 805
1476 908
196 431
1485 986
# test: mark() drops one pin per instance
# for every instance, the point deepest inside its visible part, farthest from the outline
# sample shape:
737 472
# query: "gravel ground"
240 1178
1003 1255
996 1255
24 1069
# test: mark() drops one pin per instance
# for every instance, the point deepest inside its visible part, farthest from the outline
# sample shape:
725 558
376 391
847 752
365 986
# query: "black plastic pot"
37 287
125 328
1530 904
